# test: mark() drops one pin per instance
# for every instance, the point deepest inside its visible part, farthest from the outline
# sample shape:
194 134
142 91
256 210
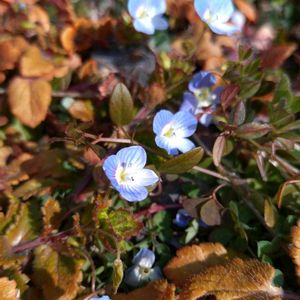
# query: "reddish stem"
154 208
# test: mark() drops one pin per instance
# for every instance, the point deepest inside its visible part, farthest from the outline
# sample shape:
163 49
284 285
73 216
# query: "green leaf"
123 223
191 231
182 163
121 105
56 274
117 276
249 89
283 92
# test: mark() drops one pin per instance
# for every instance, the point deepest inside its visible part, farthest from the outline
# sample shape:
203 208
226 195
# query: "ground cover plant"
149 149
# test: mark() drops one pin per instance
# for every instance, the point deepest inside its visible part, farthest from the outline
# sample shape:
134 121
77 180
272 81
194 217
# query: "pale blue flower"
101 298
127 174
172 131
142 270
201 99
217 14
148 15
182 218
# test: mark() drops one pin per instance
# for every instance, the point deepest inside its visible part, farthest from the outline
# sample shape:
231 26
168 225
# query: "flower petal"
110 166
189 103
155 274
206 119
144 25
133 193
162 118
132 276
133 7
185 145
223 28
145 177
184 124
168 144
133 157
159 6
160 23
144 258
202 79
221 10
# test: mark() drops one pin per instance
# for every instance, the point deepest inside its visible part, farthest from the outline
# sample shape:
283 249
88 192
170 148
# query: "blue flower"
147 15
127 174
101 298
182 218
201 99
217 15
142 270
172 131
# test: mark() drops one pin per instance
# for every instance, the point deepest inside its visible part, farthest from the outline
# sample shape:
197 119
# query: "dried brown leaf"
276 55
236 279
51 215
191 260
37 15
82 110
33 64
10 52
295 248
8 289
158 290
57 275
29 100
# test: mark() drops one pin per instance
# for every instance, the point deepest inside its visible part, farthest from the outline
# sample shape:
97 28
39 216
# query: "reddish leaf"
228 95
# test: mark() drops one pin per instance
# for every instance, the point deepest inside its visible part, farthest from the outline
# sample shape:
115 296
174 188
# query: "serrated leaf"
121 105
253 130
237 279
57 275
191 260
182 163
26 226
8 290
51 215
158 290
123 223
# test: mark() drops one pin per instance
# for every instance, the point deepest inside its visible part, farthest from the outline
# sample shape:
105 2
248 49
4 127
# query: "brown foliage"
237 279
158 290
295 248
8 289
190 260
29 100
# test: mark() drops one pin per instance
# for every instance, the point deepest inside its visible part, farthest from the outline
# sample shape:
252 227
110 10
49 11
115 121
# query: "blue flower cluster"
218 14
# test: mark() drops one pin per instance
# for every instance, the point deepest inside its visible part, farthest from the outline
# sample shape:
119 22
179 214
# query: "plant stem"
211 173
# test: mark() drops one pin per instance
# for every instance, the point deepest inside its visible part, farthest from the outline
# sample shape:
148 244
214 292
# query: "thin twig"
211 173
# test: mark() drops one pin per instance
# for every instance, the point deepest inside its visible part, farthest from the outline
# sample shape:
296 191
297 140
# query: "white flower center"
209 17
142 13
123 175
168 131
205 97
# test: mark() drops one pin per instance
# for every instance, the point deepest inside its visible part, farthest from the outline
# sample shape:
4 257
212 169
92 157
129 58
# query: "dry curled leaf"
56 274
190 260
82 110
29 100
158 290
237 279
295 248
8 289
